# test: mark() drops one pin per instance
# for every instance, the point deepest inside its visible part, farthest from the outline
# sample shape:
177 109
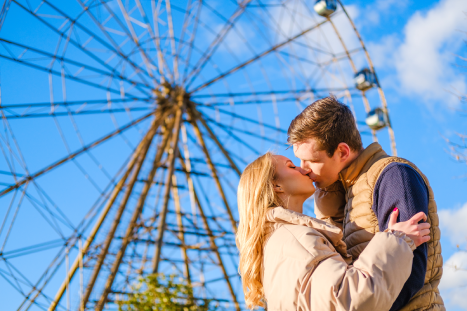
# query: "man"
357 189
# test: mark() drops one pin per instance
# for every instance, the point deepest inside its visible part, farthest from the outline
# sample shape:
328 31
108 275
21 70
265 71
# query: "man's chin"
318 185
321 185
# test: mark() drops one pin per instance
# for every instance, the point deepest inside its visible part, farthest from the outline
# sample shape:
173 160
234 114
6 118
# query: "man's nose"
305 171
304 165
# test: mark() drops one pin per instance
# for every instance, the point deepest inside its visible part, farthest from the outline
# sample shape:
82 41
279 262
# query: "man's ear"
343 151
277 188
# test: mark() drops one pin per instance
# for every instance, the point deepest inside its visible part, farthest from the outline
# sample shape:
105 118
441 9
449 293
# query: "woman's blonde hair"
255 197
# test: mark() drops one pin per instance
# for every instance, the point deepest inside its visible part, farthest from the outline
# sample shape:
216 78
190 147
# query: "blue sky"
413 45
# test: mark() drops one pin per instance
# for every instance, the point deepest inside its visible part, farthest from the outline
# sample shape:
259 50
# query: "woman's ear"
277 188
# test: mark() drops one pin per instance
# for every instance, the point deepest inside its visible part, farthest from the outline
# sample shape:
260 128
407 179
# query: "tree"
159 292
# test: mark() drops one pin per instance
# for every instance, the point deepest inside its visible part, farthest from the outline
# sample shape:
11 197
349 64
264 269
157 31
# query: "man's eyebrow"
310 159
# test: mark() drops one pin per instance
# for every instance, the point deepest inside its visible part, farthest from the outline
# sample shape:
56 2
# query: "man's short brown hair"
329 122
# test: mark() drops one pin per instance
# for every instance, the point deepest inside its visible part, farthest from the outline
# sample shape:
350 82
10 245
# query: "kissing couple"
375 241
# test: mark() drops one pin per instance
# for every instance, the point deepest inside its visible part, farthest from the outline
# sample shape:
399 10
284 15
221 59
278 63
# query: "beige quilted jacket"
348 204
304 267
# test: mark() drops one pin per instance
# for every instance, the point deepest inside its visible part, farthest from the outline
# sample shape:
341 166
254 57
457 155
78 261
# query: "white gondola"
376 119
325 7
365 79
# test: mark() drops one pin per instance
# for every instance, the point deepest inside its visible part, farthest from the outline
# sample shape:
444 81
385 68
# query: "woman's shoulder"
297 241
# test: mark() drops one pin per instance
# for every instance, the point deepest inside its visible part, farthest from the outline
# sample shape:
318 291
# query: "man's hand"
419 233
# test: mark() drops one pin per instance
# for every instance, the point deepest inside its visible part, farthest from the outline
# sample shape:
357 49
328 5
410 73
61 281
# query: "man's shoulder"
391 167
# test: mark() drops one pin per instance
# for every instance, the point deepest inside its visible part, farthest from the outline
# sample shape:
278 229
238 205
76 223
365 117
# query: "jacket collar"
279 215
361 164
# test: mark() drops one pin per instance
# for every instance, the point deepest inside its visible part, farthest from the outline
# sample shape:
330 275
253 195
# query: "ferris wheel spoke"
27 282
267 100
213 170
9 161
215 44
110 199
57 73
278 54
249 133
81 66
75 43
44 198
181 232
18 156
33 288
212 240
255 58
157 36
73 155
32 249
279 31
15 279
220 146
196 18
239 140
266 38
147 140
13 285
277 92
172 41
78 102
136 213
14 217
8 211
173 152
12 280
160 60
73 113
146 59
114 46
46 277
53 223
247 44
220 261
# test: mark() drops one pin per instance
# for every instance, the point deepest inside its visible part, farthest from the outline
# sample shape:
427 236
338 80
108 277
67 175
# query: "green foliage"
159 292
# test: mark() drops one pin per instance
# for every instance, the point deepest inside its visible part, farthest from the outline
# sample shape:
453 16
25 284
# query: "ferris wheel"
125 125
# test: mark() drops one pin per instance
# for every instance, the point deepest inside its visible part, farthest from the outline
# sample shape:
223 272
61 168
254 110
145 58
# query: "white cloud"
453 286
423 60
452 227
375 10
382 52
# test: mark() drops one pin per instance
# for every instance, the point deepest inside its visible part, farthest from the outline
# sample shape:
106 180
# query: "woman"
290 261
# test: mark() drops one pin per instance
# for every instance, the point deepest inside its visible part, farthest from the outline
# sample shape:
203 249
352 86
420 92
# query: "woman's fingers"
417 217
393 217
424 232
424 225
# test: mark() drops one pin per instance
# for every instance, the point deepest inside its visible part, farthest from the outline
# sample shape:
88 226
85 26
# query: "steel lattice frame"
123 160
